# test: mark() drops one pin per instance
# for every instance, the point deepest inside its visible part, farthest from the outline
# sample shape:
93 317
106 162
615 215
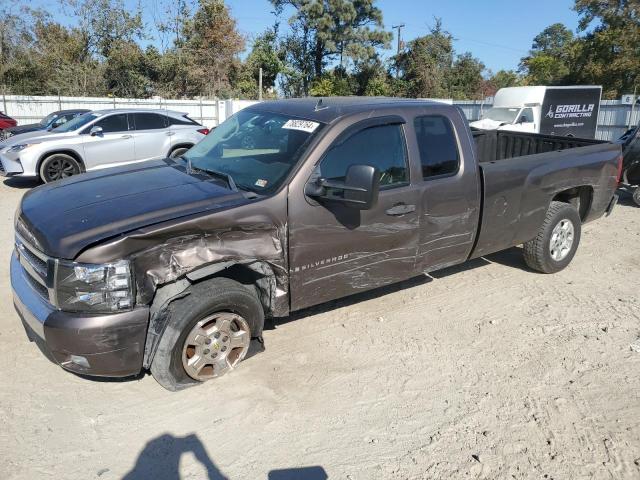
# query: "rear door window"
149 121
438 146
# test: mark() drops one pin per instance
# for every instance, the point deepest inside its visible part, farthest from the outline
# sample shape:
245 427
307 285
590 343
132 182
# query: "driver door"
335 250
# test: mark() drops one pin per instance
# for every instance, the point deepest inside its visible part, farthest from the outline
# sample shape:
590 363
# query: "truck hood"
486 124
66 217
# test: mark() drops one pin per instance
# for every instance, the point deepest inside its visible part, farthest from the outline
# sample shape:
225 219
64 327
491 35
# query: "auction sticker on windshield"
302 125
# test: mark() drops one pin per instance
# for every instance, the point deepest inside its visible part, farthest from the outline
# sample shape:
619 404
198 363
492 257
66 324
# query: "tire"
557 241
175 153
58 166
217 298
636 196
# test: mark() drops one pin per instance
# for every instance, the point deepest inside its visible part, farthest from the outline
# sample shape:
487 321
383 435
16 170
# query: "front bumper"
105 345
10 166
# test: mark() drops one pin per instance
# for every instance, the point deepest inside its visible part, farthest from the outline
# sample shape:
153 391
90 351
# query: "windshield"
502 114
47 120
258 150
76 123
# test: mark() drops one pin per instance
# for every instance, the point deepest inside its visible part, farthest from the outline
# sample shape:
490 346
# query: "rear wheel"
208 333
58 166
178 152
557 241
636 196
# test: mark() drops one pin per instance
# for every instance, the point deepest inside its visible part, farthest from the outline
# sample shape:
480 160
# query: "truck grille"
36 266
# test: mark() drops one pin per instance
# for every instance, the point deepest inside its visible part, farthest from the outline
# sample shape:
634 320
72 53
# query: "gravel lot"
487 370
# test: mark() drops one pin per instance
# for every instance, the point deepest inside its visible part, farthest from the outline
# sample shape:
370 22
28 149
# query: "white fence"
30 109
613 119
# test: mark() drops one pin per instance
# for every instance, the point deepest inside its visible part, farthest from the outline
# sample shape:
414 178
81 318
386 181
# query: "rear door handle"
127 136
400 209
170 134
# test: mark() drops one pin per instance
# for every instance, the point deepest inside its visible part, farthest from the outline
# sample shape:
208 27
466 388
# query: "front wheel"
636 196
557 241
58 166
208 333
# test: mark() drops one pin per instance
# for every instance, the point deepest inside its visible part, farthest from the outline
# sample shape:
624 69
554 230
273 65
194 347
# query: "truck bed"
494 145
521 173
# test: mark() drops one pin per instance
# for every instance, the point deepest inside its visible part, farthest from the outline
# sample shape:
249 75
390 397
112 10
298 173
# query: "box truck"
565 111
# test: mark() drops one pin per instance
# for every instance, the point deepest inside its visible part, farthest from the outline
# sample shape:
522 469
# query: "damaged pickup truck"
172 266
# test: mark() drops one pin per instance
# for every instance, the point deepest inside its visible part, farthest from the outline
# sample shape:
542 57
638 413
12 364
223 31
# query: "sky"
498 32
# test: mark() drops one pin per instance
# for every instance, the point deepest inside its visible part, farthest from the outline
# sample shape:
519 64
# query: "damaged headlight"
94 288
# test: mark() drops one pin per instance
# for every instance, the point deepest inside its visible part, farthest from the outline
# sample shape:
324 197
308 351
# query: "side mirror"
95 131
523 119
358 191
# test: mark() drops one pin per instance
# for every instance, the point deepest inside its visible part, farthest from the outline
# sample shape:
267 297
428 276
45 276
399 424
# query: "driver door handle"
400 209
127 136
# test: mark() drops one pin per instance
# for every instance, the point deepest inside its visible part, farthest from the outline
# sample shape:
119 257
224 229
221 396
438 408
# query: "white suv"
99 139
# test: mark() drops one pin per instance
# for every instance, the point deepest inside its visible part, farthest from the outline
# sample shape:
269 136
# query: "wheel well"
71 153
180 145
579 197
261 279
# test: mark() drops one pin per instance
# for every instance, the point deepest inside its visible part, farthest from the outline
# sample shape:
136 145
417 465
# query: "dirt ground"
487 370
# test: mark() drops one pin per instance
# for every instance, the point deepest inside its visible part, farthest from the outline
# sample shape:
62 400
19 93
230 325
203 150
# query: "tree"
466 78
503 79
266 54
326 30
212 49
550 59
425 65
608 53
106 23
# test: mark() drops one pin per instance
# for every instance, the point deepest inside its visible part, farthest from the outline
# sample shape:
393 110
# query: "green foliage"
331 47
429 68
609 51
504 79
549 61
323 31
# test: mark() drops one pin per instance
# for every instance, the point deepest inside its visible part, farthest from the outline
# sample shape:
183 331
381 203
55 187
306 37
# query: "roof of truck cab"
326 110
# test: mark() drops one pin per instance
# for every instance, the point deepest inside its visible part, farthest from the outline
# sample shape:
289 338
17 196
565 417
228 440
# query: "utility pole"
260 85
399 28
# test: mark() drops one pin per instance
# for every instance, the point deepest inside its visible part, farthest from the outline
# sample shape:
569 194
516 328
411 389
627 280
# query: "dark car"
51 121
172 265
6 122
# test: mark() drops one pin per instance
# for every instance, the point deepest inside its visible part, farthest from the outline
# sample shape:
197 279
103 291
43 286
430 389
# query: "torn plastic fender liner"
266 286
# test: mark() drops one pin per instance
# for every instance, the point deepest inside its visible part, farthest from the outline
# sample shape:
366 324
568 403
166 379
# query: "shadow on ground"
21 183
160 460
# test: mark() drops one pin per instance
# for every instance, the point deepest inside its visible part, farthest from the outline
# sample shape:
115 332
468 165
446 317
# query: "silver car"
99 139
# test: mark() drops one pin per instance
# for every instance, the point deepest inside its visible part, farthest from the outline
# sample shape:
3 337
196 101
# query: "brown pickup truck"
173 265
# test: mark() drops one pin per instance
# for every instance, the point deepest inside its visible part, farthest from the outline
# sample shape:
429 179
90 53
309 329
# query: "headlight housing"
82 287
19 147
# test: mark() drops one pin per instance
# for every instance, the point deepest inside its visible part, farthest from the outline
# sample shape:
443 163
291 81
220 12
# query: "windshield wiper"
225 176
